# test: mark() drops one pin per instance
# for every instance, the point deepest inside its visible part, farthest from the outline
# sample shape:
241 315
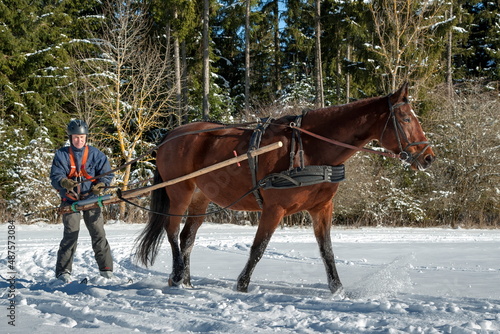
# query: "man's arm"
59 170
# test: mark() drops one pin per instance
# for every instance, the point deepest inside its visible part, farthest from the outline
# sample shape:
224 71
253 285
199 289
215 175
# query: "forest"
134 69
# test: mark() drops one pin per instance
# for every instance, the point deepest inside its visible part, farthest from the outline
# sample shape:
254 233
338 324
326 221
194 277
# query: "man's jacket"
97 164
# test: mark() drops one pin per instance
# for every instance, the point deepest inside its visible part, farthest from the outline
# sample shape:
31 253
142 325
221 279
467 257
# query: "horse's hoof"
339 293
242 287
171 282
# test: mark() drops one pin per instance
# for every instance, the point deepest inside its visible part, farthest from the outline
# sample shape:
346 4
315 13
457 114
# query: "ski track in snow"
396 280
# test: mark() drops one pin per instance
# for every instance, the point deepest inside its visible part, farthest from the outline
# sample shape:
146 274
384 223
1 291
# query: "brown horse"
389 119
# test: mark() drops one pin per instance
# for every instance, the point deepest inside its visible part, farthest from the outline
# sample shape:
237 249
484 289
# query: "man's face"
78 141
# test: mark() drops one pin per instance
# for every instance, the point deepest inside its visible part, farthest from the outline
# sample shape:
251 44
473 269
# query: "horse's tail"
151 237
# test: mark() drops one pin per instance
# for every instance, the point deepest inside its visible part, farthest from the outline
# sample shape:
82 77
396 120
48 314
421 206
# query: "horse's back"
194 146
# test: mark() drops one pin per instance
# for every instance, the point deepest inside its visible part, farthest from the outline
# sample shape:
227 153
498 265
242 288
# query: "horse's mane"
352 105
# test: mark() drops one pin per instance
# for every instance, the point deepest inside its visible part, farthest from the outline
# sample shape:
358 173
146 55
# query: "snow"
397 280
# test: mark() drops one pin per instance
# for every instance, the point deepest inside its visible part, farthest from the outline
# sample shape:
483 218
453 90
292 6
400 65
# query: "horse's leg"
198 206
178 205
322 223
269 220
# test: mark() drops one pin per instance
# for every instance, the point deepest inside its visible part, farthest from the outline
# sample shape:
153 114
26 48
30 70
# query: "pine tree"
176 22
298 37
348 66
265 53
36 39
228 41
477 55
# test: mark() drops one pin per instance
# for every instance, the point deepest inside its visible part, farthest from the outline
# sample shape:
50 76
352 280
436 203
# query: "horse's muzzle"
426 162
419 160
422 161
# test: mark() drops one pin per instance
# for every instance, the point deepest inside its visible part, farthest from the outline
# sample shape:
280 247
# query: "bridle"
401 136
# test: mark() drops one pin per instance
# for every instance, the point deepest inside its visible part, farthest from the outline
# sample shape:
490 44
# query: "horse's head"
403 134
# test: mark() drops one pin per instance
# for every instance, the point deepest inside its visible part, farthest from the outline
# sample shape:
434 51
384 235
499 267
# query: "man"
71 168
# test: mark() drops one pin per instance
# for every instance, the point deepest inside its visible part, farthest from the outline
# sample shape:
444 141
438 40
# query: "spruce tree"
477 56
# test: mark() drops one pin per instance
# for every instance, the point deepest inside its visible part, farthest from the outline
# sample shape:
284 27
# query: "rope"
188 216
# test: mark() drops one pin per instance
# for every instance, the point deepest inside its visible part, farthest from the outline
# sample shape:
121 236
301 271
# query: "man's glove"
98 188
68 184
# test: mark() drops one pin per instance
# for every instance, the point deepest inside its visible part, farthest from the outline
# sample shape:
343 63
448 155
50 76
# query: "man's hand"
68 184
98 188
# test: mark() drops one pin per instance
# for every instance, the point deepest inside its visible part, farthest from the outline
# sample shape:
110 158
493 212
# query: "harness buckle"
404 156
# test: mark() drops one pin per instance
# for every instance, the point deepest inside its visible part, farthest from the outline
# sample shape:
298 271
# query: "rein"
403 155
352 147
400 133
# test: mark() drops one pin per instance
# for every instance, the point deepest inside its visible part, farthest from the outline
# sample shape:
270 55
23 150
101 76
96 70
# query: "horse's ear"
400 94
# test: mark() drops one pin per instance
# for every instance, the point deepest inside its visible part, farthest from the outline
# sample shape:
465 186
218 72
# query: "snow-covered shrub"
30 181
465 131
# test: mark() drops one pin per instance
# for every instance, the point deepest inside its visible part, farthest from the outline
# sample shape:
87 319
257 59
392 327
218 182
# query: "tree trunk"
247 56
339 74
277 49
177 70
449 56
206 60
320 101
185 88
348 76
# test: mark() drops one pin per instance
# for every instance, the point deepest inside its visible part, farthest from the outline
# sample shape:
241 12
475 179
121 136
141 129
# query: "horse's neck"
355 124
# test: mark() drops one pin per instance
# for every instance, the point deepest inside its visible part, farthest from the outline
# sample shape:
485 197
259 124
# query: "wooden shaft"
208 169
140 191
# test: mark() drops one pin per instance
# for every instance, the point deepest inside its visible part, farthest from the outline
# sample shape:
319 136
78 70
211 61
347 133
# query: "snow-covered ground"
397 281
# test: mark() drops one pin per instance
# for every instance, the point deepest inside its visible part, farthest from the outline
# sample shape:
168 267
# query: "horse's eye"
405 117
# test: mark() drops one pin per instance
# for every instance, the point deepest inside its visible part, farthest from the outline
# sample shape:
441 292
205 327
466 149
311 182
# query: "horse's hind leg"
270 219
179 202
198 206
322 223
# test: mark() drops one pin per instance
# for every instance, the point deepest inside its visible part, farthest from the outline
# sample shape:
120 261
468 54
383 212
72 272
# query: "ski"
106 282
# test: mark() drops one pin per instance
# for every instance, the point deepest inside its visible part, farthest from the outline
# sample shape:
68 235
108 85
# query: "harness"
253 161
79 175
293 177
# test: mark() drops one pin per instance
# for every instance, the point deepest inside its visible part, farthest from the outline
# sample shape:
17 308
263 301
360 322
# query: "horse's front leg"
322 223
269 220
197 207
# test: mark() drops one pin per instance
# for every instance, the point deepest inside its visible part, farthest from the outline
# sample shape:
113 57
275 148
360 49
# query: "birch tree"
405 37
128 79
